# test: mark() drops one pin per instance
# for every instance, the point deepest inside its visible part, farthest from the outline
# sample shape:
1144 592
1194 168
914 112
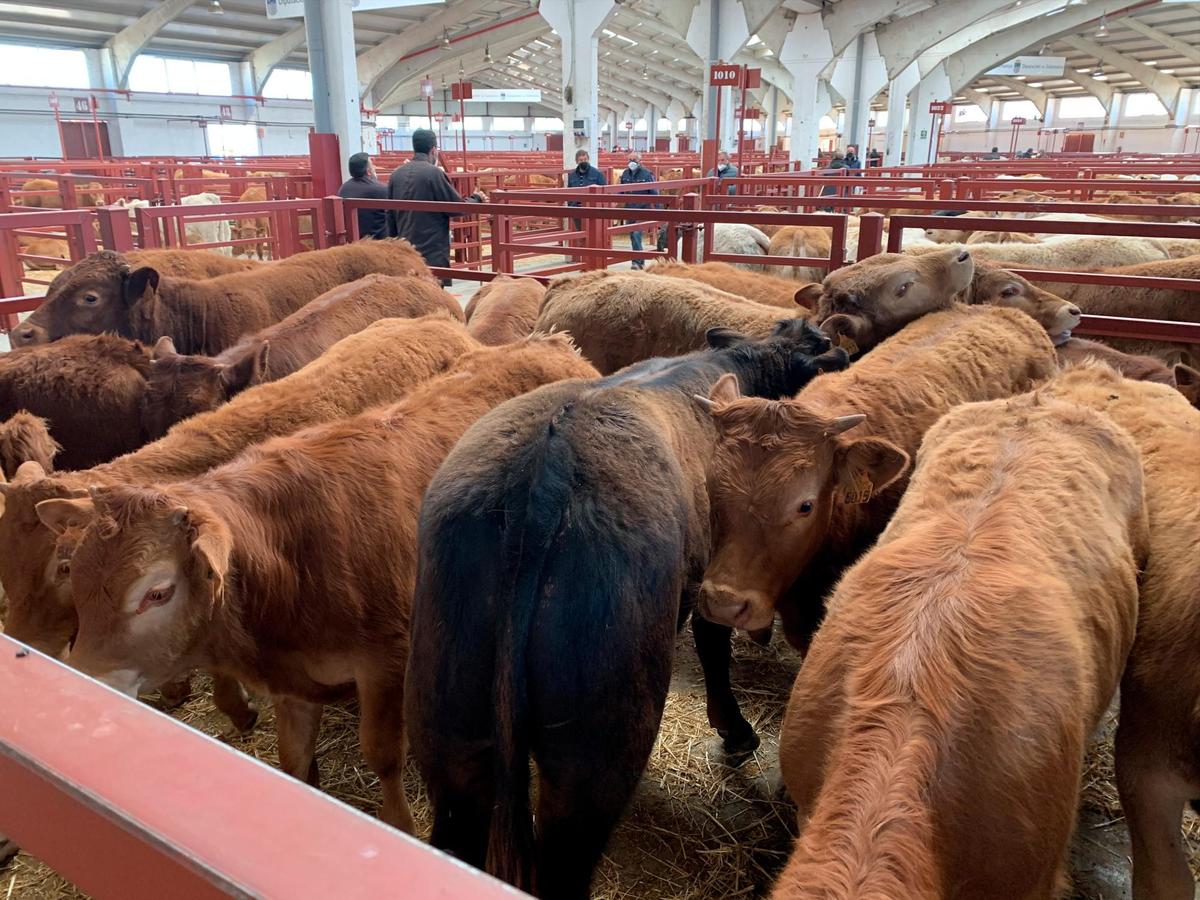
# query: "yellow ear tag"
860 491
847 344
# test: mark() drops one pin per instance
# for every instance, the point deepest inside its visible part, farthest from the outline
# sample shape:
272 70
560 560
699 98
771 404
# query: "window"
1143 105
751 126
827 124
289 84
232 139
160 75
542 123
415 122
880 117
474 123
685 124
664 124
392 122
1024 108
969 112
1080 108
43 67
508 123
639 125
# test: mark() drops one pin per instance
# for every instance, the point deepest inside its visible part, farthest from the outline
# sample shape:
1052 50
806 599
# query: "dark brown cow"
504 309
262 569
104 293
89 388
1183 378
26 437
182 386
795 500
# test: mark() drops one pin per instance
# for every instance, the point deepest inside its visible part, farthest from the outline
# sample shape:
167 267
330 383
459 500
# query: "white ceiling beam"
373 63
1037 95
845 21
903 40
980 99
127 43
990 27
1166 87
264 60
1184 49
1098 89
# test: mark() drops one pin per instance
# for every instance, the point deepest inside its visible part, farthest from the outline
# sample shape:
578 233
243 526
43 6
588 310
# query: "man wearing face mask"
581 176
635 174
724 169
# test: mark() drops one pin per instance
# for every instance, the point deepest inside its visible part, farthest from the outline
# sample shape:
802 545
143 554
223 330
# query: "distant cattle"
800 488
935 736
1158 766
504 309
375 366
207 232
105 293
559 546
804 241
766 289
740 239
181 386
619 318
258 228
1075 253
166 579
89 388
25 437
861 304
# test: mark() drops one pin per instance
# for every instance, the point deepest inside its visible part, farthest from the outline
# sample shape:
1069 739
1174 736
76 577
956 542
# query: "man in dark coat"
635 174
364 184
581 176
421 179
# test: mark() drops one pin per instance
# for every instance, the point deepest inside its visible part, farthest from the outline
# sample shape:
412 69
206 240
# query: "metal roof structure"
643 54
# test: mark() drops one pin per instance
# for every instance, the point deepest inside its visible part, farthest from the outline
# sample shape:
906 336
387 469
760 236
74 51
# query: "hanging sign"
226 111
940 107
1031 65
1018 120
83 104
461 90
294 9
509 95
724 74
751 78
426 87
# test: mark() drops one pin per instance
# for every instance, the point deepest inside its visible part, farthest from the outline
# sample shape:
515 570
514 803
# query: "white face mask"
633 165
722 167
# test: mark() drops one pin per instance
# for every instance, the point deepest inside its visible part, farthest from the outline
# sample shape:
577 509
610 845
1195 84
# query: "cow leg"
230 698
462 795
174 694
713 646
8 850
381 736
297 723
1153 799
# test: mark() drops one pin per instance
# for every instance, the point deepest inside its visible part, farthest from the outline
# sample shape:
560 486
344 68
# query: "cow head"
999 287
783 362
181 386
91 297
860 305
40 610
146 578
777 474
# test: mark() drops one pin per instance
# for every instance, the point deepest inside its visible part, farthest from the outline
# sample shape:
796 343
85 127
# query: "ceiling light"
215 8
1035 84
645 73
1042 52
1100 76
1167 71
1149 62
446 40
1103 29
487 53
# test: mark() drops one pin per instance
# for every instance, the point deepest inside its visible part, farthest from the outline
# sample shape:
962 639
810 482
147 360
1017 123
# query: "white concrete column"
859 75
329 31
771 113
1112 121
1182 110
578 23
612 130
716 32
898 90
933 86
807 51
651 127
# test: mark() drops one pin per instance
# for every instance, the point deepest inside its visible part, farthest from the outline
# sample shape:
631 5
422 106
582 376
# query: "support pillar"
934 86
898 90
859 75
716 32
1187 98
1112 121
578 23
806 52
329 31
612 131
771 111
651 127
101 63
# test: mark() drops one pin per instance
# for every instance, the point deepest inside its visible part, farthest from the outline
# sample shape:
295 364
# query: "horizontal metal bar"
129 803
1140 329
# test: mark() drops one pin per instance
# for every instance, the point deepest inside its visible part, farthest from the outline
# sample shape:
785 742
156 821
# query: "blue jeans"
635 243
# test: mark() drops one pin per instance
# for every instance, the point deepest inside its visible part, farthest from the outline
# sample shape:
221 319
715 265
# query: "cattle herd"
312 480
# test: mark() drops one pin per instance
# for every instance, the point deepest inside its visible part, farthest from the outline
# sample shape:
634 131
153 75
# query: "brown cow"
860 305
249 229
766 289
999 287
90 389
53 201
167 579
934 739
804 241
26 437
179 263
375 366
182 386
103 294
794 502
619 318
1158 766
1183 378
504 309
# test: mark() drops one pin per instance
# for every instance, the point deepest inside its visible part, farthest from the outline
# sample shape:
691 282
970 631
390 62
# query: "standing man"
364 184
421 179
851 159
724 169
635 174
581 176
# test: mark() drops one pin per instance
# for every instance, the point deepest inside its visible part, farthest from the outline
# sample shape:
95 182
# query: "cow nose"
964 256
1074 311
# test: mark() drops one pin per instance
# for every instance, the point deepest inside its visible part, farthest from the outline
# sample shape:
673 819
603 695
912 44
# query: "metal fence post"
870 235
116 232
687 250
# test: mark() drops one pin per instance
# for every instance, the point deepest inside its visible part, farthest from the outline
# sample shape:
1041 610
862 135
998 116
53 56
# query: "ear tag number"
860 491
847 344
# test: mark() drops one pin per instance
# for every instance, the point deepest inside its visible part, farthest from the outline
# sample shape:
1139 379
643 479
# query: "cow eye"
805 508
91 299
1011 291
903 289
64 567
155 597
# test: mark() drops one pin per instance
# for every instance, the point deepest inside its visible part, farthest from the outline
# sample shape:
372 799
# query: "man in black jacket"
364 184
581 176
421 179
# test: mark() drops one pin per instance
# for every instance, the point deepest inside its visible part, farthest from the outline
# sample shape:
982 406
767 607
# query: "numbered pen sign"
939 107
1018 120
725 75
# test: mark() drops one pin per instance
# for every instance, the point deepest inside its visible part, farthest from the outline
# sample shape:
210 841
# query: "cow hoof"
8 851
174 694
740 744
762 636
245 722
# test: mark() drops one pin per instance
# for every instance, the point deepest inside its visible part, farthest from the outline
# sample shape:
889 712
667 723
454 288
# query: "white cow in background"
208 232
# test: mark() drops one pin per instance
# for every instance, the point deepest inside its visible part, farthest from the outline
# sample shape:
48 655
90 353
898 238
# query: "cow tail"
527 544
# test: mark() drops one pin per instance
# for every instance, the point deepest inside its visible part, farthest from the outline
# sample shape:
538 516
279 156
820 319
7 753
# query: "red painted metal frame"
129 803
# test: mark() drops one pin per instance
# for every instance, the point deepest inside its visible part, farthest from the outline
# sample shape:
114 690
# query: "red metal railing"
129 803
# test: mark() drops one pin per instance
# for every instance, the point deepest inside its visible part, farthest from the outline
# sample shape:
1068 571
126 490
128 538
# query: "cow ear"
724 391
867 466
139 283
59 515
1187 381
720 337
808 295
212 548
28 471
163 348
248 371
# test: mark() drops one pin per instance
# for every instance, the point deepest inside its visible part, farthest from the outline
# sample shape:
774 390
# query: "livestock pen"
697 827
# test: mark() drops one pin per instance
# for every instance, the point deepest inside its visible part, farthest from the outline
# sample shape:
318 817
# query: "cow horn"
845 423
